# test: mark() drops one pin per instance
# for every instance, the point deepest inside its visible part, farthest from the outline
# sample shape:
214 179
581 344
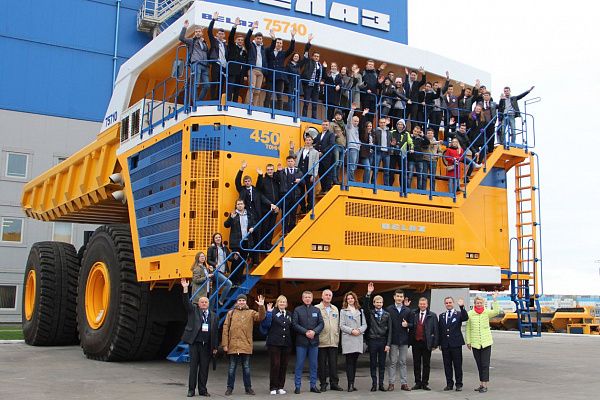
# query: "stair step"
523 176
525 223
524 187
523 164
524 212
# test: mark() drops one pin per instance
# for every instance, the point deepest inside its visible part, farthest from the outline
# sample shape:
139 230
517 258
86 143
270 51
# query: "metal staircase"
155 16
526 283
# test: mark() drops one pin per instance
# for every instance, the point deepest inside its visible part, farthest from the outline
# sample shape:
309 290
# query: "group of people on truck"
407 109
317 332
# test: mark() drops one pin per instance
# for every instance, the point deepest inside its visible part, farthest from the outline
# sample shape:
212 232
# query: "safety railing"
289 205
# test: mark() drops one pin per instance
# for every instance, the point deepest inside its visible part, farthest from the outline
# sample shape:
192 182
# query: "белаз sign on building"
386 19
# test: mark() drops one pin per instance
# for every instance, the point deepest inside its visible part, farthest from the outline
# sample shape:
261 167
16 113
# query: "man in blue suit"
451 341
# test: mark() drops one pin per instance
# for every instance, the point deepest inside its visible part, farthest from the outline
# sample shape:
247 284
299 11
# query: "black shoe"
425 387
323 387
417 387
482 390
315 389
250 392
478 389
337 388
447 388
205 394
190 393
382 388
374 388
297 390
228 392
459 388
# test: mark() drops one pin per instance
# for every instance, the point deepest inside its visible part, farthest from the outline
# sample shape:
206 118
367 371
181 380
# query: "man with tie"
307 160
424 339
323 142
289 177
197 51
379 337
401 321
218 51
254 200
451 341
241 225
200 334
489 109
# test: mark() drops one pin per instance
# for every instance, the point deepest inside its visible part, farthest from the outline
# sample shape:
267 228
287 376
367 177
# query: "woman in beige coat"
353 325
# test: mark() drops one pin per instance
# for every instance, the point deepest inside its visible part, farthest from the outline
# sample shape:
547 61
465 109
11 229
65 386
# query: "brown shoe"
405 387
390 387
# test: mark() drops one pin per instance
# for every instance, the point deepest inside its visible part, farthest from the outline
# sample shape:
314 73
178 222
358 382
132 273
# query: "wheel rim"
30 295
97 295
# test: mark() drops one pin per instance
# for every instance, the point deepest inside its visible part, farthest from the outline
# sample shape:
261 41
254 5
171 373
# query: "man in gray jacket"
329 340
307 160
197 50
353 139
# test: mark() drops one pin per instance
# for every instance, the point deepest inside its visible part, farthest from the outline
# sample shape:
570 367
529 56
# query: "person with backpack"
353 325
277 327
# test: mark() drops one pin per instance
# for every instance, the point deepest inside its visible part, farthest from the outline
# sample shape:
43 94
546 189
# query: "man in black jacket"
257 58
402 321
276 57
370 79
424 338
451 341
379 336
268 184
219 51
201 334
307 321
509 110
323 142
256 203
239 56
288 177
411 90
241 224
312 78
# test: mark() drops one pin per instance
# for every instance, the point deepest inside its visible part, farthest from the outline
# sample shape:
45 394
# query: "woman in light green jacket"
479 338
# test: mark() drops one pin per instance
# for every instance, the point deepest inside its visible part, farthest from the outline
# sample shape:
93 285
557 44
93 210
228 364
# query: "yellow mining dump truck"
160 180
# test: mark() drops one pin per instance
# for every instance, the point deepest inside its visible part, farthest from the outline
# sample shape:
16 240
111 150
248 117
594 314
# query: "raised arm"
182 37
231 39
211 35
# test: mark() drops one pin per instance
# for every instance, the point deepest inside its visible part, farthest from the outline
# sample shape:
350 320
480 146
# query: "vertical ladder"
526 279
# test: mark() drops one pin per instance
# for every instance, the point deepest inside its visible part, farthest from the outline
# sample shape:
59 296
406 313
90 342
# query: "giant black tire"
50 319
128 331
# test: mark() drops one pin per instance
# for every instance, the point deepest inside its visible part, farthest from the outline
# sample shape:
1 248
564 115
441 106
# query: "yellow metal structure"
97 295
30 293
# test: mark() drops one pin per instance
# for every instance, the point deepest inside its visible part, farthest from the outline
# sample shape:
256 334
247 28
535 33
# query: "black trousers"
267 225
199 363
377 359
482 359
412 115
351 360
235 82
324 165
306 190
328 365
290 218
396 169
311 97
278 356
435 119
453 359
421 362
217 76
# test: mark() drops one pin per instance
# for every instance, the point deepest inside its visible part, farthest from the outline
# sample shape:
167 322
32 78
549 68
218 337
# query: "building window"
63 232
16 165
8 297
12 229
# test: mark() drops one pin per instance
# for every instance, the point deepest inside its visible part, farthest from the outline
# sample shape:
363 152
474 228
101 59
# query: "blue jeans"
200 77
352 160
338 154
422 178
414 167
301 353
366 164
430 169
244 359
382 158
222 279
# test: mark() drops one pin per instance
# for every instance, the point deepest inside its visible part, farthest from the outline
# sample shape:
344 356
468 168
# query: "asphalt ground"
550 367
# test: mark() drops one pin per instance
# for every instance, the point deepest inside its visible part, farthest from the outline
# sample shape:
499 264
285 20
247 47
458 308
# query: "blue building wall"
57 55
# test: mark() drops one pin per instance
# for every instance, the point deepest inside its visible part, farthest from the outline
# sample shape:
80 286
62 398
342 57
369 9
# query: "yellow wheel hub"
97 295
30 286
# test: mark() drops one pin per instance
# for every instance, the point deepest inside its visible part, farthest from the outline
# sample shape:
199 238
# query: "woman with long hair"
217 259
479 338
366 152
346 88
201 277
279 341
353 325
475 126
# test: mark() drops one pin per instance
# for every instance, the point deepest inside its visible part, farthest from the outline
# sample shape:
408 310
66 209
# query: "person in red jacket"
452 158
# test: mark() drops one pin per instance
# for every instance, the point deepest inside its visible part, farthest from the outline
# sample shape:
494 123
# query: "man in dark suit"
289 177
307 322
402 320
256 203
239 56
268 184
411 90
200 334
257 58
424 339
276 57
333 80
451 341
323 142
219 51
448 101
312 76
241 224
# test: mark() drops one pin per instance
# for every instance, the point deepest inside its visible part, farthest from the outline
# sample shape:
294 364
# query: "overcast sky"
557 49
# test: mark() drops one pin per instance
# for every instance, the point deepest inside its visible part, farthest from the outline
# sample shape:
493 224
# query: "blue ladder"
526 305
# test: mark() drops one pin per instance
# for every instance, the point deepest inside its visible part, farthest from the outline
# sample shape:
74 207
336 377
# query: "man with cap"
237 339
201 334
